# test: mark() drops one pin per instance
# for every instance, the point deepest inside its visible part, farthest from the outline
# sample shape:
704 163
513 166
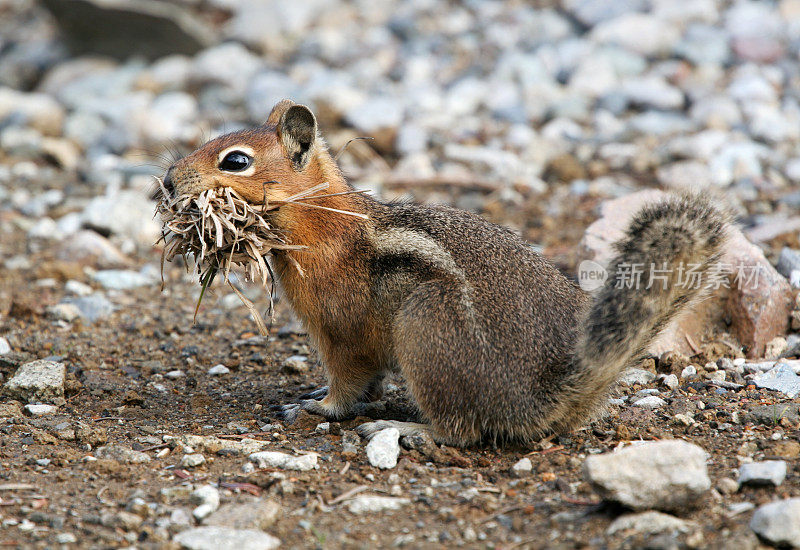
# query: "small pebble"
192 460
384 448
522 467
218 370
769 472
651 402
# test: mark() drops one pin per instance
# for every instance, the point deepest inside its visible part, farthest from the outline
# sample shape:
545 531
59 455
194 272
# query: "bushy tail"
675 240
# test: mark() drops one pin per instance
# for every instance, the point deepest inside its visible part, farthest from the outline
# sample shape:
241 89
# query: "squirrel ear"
297 130
278 110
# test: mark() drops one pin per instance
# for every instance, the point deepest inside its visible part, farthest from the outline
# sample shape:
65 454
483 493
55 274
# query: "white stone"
77 288
384 448
373 503
777 522
664 475
44 228
685 174
64 312
121 279
37 381
128 213
5 347
40 410
636 376
207 499
640 32
650 523
652 92
769 472
671 381
522 466
274 459
219 370
650 402
192 460
689 371
376 114
223 538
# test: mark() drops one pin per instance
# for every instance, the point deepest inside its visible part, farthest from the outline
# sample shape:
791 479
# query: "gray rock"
92 308
254 514
384 448
116 24
363 504
376 114
642 33
665 475
777 522
652 92
789 265
704 44
769 472
636 376
651 523
213 65
121 454
37 381
121 279
771 415
128 213
649 402
5 347
350 442
274 459
296 364
592 12
223 538
781 378
89 245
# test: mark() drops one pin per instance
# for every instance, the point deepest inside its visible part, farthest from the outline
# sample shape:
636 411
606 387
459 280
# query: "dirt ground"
118 392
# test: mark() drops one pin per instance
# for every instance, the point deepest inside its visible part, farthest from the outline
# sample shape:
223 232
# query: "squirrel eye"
235 161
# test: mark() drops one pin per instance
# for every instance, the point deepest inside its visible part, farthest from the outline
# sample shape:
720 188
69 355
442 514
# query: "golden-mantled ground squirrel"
494 343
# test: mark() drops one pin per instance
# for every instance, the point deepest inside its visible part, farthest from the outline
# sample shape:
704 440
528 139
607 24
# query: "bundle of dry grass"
221 230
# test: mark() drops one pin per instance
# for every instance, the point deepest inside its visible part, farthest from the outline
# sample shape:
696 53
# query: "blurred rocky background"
545 116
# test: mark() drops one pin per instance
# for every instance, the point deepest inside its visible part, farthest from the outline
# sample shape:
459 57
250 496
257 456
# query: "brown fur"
493 342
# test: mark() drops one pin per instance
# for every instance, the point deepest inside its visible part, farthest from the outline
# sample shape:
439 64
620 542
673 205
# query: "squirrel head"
271 162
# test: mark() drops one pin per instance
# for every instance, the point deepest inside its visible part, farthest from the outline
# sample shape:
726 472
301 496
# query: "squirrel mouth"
220 230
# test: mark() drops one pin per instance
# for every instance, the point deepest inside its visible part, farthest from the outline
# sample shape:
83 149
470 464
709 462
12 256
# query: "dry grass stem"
222 230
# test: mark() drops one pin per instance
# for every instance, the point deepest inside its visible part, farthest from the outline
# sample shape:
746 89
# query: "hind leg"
439 350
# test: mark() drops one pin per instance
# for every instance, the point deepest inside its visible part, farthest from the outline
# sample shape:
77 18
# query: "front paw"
289 413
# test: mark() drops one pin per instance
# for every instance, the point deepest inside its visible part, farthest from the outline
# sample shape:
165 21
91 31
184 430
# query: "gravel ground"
532 114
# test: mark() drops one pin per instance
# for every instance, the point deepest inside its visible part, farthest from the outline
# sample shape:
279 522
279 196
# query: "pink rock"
754 308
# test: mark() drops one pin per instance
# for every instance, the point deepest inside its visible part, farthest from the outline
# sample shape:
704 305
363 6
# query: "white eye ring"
244 149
